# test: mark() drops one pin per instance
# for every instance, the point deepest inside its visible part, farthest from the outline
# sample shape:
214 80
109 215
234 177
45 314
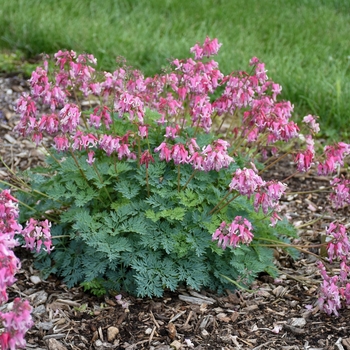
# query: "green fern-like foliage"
122 226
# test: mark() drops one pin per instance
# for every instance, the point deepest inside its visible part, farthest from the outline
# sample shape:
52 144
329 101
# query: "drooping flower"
69 117
36 234
329 296
239 231
268 196
246 182
90 160
179 154
341 192
16 323
164 152
209 48
310 120
334 155
339 245
146 158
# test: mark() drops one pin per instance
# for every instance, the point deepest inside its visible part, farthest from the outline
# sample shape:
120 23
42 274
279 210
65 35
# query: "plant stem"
222 123
13 173
101 181
289 177
51 155
138 151
24 191
190 178
309 223
217 205
227 203
147 183
274 162
288 245
178 178
237 284
308 192
78 166
197 128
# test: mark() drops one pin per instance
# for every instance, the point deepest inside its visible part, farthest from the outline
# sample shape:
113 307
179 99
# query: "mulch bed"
281 314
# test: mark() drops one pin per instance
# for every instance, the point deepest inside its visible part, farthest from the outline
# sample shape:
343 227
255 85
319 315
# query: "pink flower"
131 105
329 296
164 152
276 90
341 192
37 233
221 234
9 265
146 158
95 120
339 245
192 146
171 132
26 107
304 160
254 61
246 182
239 231
63 57
109 144
210 48
311 121
82 141
91 158
197 161
216 158
335 155
69 118
49 123
61 143
179 154
124 151
260 72
8 216
143 131
269 196
16 323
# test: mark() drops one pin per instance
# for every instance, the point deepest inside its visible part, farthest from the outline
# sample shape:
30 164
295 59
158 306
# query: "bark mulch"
281 314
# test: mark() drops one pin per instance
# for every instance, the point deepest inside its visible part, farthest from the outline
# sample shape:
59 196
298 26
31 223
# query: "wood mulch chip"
281 314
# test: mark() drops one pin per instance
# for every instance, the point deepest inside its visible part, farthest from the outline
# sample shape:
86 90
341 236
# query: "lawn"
304 43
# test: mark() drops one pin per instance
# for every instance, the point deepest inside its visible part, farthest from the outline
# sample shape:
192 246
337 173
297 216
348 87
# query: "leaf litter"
281 314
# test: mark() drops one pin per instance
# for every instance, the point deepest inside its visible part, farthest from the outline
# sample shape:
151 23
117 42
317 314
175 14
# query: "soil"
281 314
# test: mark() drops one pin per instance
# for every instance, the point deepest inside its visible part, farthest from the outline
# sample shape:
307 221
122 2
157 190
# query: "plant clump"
154 182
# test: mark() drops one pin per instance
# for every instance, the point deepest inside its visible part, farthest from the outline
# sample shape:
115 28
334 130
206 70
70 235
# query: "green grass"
304 43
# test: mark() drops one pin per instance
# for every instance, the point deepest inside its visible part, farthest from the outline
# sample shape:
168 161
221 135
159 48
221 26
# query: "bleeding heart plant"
147 173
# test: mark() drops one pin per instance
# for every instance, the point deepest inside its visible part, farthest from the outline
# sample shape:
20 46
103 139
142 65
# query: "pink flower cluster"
267 194
304 160
127 94
310 120
246 182
36 234
9 263
338 246
16 322
341 192
239 231
209 48
270 118
335 289
334 157
211 157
